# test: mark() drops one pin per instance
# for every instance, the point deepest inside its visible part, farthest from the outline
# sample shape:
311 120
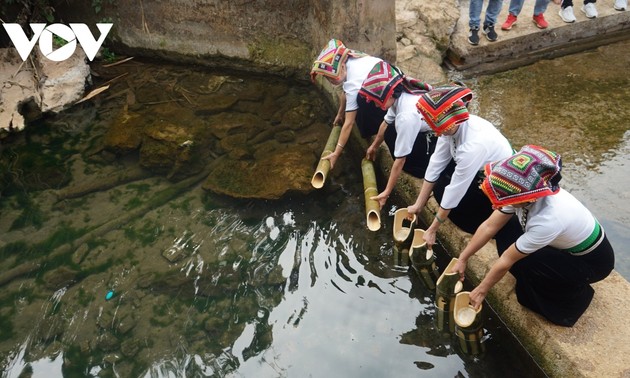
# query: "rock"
278 171
60 277
48 87
125 133
62 83
423 32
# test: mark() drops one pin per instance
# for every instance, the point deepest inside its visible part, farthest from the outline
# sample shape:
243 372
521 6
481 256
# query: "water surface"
203 284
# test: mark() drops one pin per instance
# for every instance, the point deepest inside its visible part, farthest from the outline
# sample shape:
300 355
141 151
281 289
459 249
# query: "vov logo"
44 34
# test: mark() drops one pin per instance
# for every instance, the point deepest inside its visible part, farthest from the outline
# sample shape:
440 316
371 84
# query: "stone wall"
282 36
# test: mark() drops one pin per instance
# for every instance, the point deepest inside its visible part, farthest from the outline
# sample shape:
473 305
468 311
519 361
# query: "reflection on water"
204 285
578 106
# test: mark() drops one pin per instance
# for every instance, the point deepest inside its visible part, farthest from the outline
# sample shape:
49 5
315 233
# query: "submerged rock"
280 171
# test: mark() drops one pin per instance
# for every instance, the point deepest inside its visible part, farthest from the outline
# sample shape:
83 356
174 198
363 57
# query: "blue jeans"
492 11
517 5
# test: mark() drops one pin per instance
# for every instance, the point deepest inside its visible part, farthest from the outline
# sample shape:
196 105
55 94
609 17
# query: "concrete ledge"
597 346
525 43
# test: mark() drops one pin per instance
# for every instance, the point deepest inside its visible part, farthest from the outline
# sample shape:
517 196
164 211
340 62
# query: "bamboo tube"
464 313
448 284
403 228
323 167
469 324
423 260
372 208
419 253
446 287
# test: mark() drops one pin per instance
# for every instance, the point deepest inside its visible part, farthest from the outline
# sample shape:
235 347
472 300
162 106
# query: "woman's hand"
460 267
332 157
339 119
381 198
414 209
476 297
370 154
429 238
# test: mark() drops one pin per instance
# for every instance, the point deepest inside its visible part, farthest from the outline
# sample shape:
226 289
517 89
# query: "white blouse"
408 122
357 69
559 220
476 143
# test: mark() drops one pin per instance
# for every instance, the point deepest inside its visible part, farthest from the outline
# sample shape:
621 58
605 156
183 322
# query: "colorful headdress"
444 107
531 173
330 59
383 79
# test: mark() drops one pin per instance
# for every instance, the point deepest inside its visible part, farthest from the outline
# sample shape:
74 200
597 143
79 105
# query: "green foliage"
108 55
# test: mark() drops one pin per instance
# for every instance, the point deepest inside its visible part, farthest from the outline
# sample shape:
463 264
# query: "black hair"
398 90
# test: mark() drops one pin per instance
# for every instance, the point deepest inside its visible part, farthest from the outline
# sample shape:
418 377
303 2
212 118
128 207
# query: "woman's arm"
346 129
341 112
376 143
391 182
498 270
486 231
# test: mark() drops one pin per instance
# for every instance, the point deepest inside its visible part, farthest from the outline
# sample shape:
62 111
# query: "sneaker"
589 10
621 5
473 37
488 31
511 21
566 14
540 21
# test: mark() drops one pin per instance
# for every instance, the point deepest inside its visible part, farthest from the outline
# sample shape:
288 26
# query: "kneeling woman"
560 248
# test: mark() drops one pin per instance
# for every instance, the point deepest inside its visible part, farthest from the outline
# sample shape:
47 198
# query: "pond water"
110 271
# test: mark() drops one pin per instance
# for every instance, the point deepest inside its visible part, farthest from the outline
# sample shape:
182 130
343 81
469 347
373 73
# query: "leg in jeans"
540 7
492 11
516 6
474 13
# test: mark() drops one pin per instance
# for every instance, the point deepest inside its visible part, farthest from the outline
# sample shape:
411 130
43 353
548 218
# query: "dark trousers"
418 160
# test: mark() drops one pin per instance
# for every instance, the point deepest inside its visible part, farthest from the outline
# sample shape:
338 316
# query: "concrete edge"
597 346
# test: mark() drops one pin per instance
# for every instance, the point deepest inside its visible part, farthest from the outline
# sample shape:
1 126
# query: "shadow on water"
111 270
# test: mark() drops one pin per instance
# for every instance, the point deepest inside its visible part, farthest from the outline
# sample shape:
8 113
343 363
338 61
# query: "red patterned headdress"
444 107
383 79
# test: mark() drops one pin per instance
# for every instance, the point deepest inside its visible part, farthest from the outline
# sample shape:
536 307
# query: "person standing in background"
566 10
474 19
515 8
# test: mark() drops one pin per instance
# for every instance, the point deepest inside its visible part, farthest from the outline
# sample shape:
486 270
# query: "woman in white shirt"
469 141
559 249
343 66
408 138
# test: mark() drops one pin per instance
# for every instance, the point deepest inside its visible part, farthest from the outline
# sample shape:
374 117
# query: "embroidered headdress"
382 82
445 107
330 59
531 173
